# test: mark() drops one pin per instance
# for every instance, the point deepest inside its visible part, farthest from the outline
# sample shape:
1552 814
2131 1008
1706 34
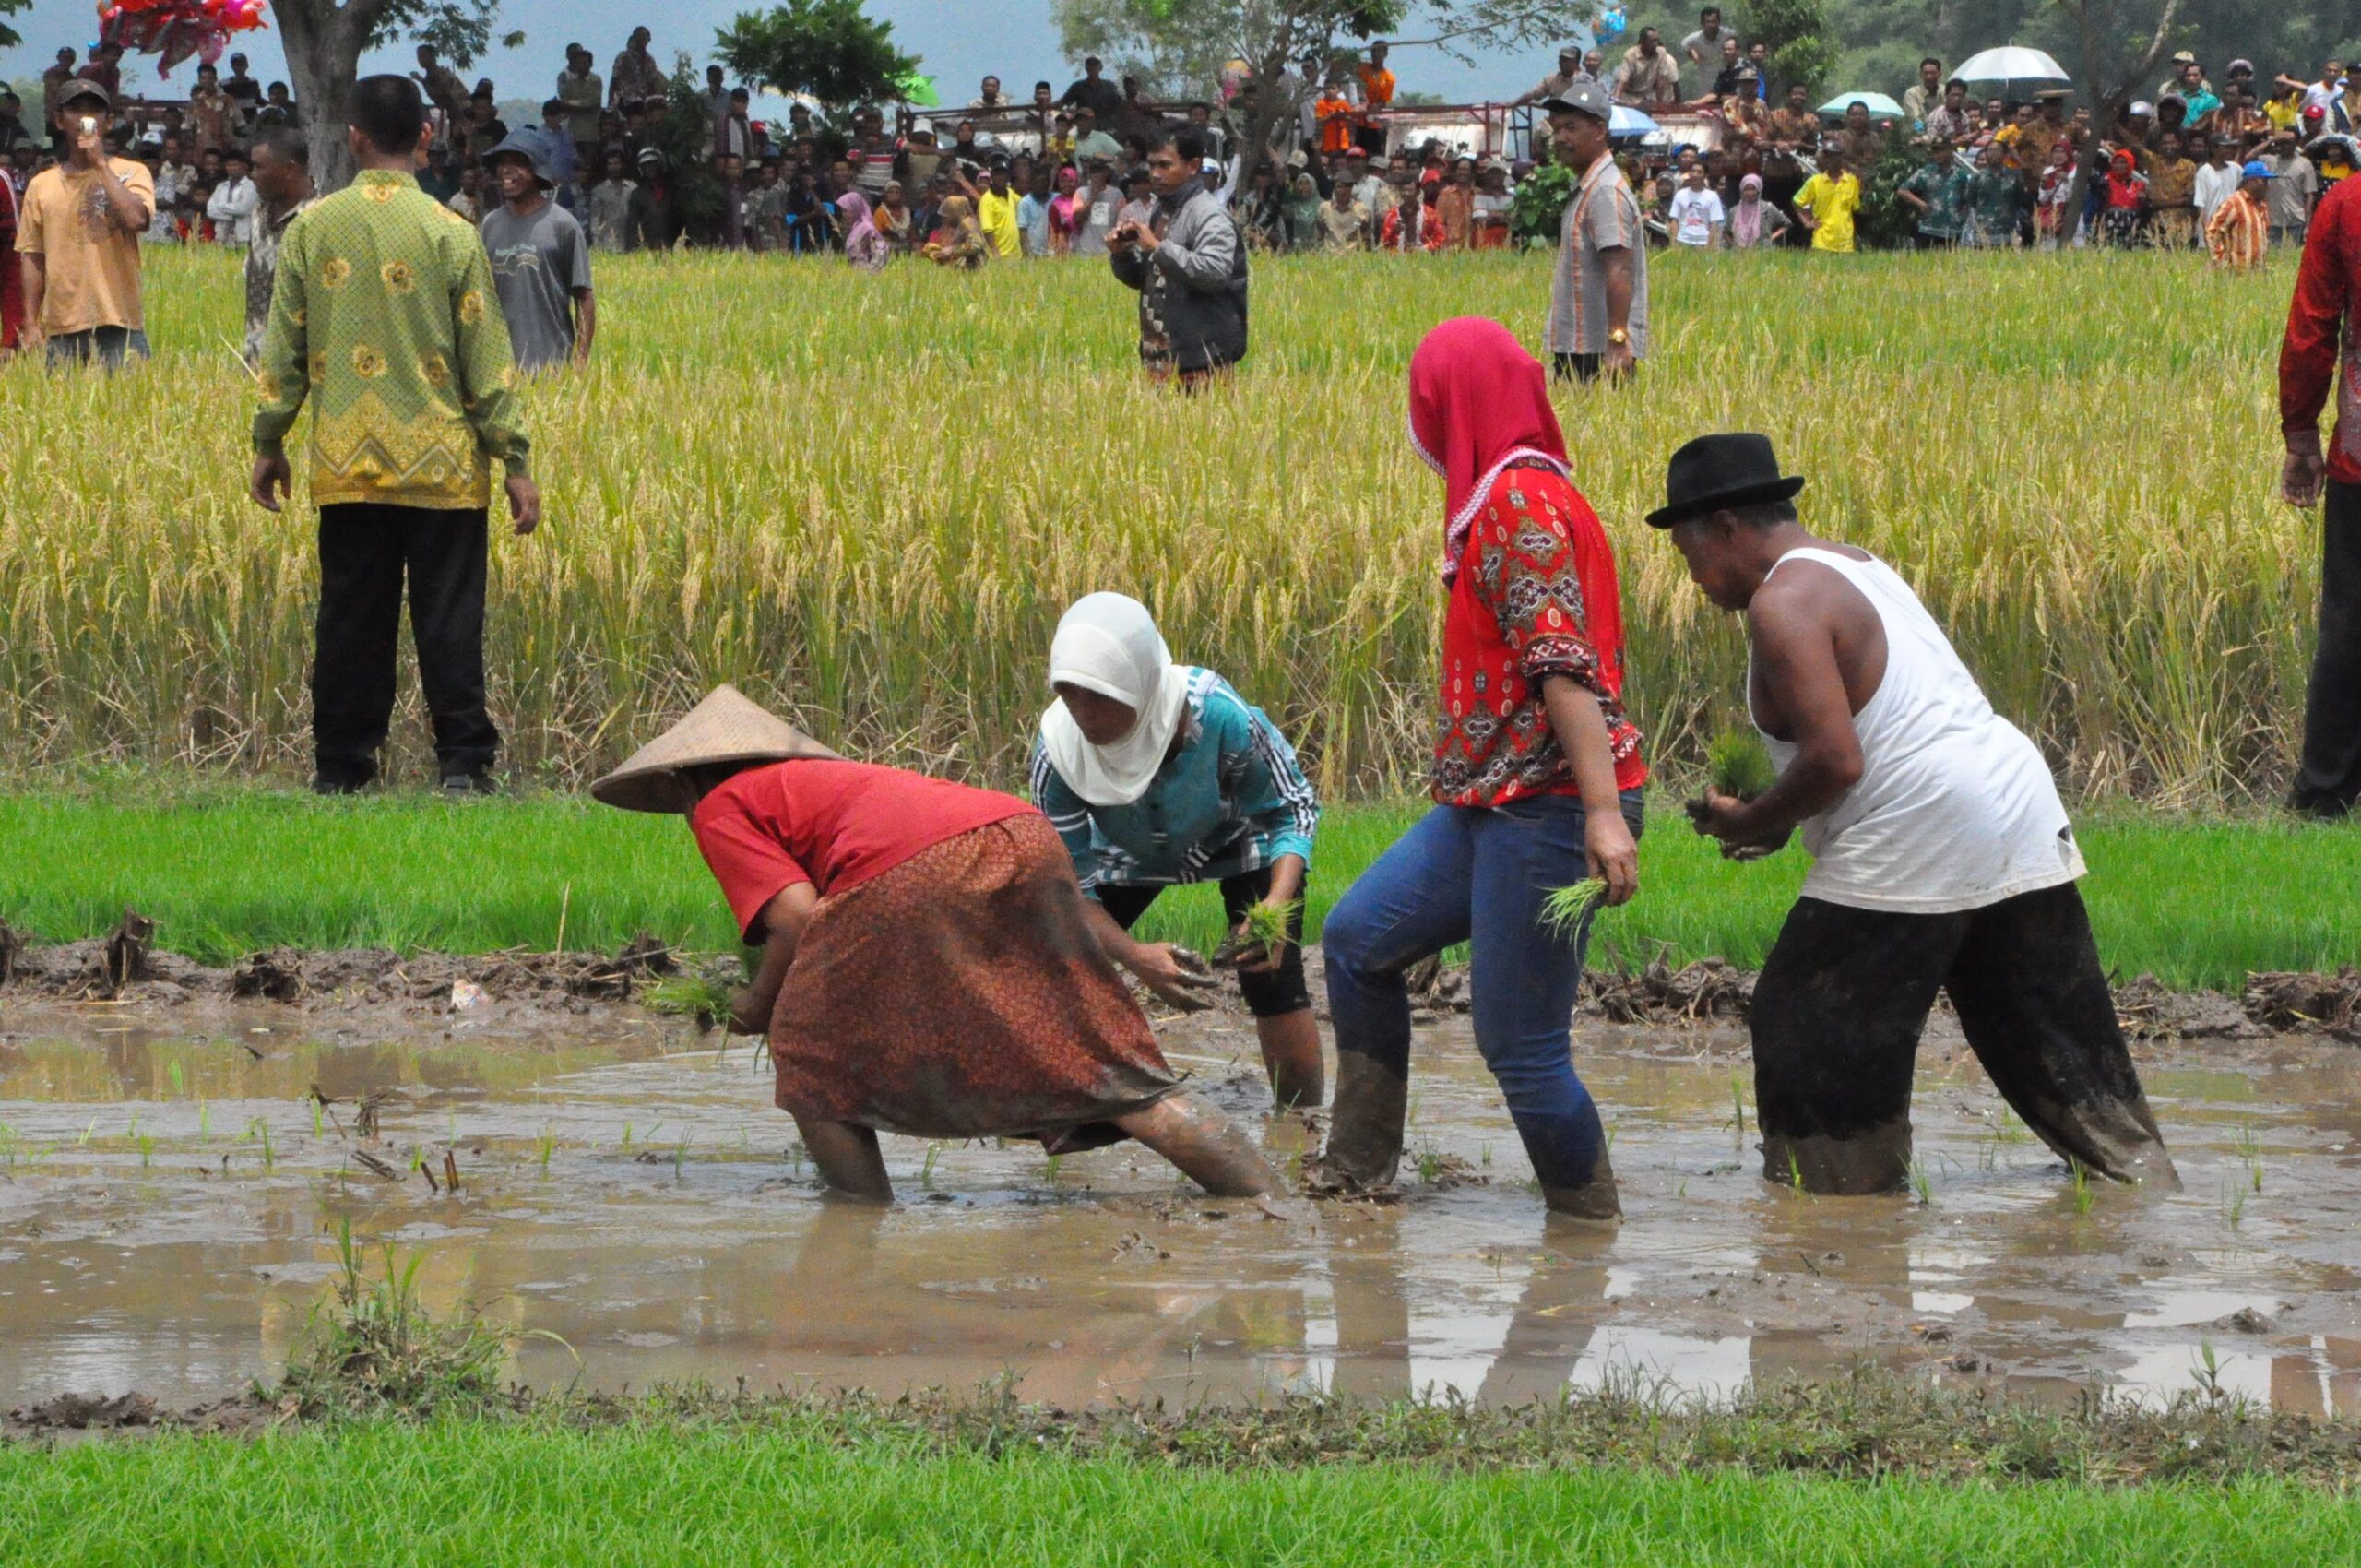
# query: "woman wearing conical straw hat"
926 965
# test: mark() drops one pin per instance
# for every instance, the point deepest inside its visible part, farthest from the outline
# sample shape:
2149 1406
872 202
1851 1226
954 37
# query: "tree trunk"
323 41
2107 107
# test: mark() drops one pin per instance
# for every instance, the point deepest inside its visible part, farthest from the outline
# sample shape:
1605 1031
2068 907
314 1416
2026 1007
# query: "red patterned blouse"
1535 595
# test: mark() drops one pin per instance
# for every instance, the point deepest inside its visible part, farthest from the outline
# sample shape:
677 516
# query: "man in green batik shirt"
1996 197
1936 191
384 318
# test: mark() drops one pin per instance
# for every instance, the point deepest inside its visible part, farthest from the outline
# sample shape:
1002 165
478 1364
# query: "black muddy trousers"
366 550
1843 1000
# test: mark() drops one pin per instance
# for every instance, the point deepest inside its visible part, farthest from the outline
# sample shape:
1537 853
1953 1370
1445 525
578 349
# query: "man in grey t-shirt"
540 261
1598 298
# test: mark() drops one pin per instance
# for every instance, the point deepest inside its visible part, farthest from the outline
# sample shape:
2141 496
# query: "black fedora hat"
1717 471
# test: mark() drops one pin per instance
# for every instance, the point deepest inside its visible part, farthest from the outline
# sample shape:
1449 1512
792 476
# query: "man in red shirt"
2320 347
1537 778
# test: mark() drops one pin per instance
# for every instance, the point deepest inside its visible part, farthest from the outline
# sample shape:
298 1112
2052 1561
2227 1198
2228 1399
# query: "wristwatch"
1618 337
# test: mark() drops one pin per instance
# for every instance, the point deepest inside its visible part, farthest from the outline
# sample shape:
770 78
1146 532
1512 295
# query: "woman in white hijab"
1155 774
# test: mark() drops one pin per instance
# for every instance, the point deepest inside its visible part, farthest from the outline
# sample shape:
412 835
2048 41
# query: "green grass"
488 1494
226 870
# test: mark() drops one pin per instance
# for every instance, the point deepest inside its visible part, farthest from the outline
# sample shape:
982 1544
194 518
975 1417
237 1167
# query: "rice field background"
867 500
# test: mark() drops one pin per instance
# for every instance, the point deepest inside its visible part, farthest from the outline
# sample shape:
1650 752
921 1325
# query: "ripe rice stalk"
895 591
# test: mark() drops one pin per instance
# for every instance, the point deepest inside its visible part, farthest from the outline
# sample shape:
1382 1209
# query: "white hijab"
1108 644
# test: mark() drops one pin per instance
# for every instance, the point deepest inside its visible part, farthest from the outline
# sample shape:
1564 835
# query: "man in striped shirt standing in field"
2240 228
2322 342
1598 298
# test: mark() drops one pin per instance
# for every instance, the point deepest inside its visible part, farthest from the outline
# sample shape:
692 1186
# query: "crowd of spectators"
1054 173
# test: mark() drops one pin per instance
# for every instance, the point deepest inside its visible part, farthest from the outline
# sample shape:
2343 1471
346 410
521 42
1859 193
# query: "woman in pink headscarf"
865 247
1537 778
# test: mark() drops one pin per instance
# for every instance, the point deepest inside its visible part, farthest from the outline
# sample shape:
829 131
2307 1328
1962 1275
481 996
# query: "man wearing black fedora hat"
1943 859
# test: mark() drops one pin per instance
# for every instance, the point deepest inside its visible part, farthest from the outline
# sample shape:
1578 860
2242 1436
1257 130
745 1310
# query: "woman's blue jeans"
1480 875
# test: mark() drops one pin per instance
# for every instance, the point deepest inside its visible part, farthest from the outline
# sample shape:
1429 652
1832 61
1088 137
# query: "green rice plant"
1922 1184
173 1075
1050 1167
2234 1203
1564 909
2251 1150
926 1171
146 1150
1739 764
545 1146
1795 1171
2083 1197
373 1347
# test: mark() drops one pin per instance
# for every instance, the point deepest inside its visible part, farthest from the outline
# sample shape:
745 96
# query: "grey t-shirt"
537 263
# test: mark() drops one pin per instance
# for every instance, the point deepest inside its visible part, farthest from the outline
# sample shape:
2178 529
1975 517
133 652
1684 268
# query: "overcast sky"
960 40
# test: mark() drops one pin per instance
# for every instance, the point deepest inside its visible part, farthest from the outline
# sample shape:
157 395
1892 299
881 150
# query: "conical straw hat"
725 727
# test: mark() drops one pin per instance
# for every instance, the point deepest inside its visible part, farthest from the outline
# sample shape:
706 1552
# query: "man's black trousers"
366 552
2329 778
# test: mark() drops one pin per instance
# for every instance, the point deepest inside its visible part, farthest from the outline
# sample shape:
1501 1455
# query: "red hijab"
1477 403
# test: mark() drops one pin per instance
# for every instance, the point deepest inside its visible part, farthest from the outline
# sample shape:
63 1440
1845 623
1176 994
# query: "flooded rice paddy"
168 1203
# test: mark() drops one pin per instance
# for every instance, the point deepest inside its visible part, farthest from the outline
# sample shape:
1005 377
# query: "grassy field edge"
228 870
494 1493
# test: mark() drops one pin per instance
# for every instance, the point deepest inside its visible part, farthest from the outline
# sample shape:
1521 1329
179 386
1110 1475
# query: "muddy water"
166 1204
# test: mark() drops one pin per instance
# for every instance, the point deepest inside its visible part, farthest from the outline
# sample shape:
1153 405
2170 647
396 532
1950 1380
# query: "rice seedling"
543 1147
1739 764
146 1150
1050 1167
2083 1197
1564 909
692 995
2234 1203
173 1075
1922 1184
2250 1151
680 1155
2151 637
1794 1172
926 1171
1267 928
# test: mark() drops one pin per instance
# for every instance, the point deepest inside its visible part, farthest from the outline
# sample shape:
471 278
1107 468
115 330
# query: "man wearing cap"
2239 230
2320 346
540 261
1558 83
384 319
77 239
1598 295
1942 860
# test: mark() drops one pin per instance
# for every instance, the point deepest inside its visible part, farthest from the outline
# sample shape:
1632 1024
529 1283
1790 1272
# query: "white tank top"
1955 808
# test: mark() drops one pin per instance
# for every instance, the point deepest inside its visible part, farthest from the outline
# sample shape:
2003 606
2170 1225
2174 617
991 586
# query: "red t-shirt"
1536 595
834 824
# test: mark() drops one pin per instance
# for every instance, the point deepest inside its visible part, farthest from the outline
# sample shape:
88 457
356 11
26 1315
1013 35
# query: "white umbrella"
2011 64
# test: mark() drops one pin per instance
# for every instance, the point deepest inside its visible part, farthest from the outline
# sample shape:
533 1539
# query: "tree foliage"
1802 50
9 39
830 49
461 30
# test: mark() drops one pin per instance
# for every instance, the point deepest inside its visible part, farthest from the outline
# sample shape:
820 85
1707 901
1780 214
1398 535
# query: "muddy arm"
784 918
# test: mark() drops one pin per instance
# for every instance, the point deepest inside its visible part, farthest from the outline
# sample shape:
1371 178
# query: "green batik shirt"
384 316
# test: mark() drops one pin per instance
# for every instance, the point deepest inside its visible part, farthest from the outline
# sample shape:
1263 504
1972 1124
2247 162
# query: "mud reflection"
165 1204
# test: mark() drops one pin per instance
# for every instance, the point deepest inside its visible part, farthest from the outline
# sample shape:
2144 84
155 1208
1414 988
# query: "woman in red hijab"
1536 780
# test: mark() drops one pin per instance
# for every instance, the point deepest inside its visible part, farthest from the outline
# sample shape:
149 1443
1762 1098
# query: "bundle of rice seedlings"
1739 764
1563 910
692 995
1268 928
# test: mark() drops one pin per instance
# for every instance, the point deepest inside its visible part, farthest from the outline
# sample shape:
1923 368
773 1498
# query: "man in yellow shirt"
1827 203
79 237
996 213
